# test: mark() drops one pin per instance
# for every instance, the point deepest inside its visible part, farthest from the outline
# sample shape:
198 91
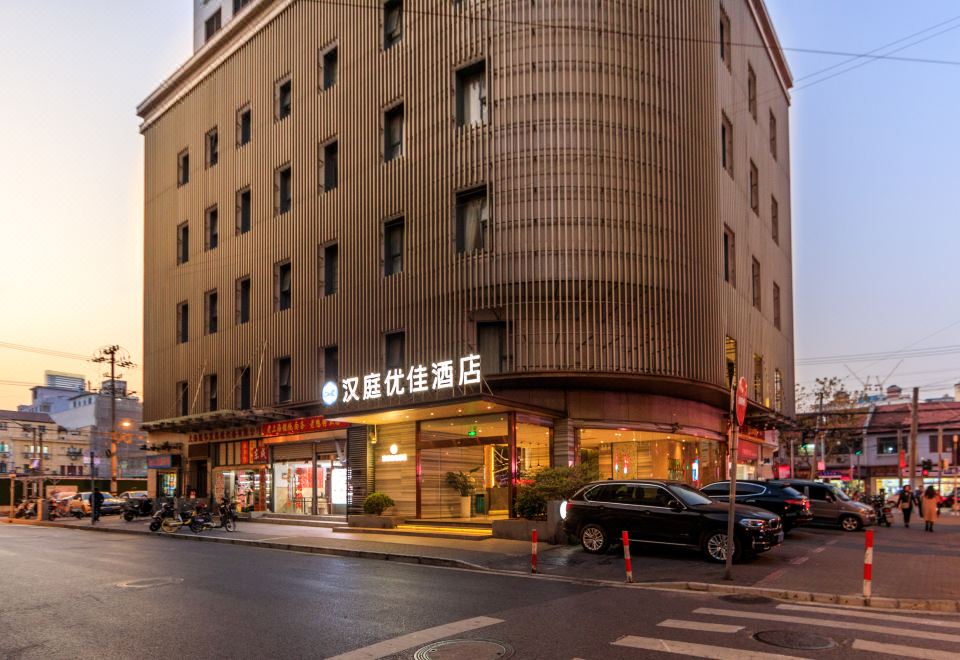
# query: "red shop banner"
302 425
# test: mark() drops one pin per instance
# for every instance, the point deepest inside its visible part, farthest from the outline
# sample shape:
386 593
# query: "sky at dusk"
873 162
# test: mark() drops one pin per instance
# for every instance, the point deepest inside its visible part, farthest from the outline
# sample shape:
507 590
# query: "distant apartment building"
385 241
31 442
211 16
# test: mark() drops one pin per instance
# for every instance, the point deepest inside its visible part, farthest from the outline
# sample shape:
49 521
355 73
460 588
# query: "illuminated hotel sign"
397 382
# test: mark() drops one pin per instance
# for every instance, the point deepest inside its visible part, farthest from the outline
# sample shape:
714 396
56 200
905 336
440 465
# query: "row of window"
726 160
888 445
730 355
491 345
213 24
730 275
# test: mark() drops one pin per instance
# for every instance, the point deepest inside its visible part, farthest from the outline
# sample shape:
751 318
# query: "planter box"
519 529
378 522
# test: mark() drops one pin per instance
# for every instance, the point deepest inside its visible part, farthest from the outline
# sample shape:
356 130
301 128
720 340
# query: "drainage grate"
794 639
148 583
746 599
464 649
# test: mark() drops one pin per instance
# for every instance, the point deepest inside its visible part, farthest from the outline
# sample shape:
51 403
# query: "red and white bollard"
626 557
533 554
867 562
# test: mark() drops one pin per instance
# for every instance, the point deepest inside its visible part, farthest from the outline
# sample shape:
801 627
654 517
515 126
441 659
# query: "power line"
880 356
44 351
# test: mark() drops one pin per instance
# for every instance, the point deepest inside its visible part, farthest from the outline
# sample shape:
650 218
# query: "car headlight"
563 510
752 523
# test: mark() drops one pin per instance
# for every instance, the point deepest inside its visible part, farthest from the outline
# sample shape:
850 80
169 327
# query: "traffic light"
926 465
858 447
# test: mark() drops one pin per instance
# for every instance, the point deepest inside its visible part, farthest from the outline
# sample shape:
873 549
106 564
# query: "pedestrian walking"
96 502
929 508
905 504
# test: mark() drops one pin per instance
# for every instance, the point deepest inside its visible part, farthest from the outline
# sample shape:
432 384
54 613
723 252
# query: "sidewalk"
909 564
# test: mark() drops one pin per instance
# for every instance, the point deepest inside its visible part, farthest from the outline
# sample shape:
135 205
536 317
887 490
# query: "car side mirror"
676 506
830 498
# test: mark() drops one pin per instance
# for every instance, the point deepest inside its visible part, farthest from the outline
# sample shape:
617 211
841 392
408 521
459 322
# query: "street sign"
741 400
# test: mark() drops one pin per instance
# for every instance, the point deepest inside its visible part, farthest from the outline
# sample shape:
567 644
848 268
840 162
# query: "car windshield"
689 495
839 494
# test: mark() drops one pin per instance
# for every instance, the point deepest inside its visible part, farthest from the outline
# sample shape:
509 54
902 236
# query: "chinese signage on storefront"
162 462
439 376
302 425
246 433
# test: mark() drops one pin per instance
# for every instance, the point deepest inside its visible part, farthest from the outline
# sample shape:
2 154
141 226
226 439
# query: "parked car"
111 504
831 506
134 494
792 506
668 513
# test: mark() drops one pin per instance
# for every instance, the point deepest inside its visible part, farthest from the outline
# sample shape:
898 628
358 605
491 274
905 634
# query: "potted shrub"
462 483
376 503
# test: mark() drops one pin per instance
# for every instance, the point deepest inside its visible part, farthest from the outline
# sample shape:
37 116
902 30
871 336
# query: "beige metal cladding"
600 154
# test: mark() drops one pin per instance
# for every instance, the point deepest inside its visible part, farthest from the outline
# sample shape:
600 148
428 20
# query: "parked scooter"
884 512
26 509
137 507
166 510
201 520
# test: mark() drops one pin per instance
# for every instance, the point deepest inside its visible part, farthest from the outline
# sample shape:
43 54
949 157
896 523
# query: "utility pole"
109 354
940 461
900 454
912 463
823 453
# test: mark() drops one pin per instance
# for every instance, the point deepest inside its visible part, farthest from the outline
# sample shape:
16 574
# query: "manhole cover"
148 583
746 599
794 639
464 649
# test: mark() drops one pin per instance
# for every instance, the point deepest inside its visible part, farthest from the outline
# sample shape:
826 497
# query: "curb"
911 604
289 547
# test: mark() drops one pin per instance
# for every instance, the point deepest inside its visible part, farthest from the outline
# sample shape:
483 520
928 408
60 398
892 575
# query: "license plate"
779 538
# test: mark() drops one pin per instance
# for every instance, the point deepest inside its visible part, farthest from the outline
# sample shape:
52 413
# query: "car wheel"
714 546
850 523
594 539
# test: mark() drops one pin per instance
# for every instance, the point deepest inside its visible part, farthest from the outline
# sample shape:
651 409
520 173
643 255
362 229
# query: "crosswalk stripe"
902 651
697 650
397 644
847 625
700 625
879 616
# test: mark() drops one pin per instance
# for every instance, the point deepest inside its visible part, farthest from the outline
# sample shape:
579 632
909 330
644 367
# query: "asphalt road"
73 594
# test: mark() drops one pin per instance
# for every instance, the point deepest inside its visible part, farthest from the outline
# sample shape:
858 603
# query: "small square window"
752 91
395 350
393 133
328 62
392 22
211 228
328 166
211 147
283 189
210 312
729 256
330 268
210 392
243 211
243 300
472 95
473 220
393 247
183 243
754 188
776 306
183 167
244 125
283 379
757 288
211 26
726 144
773 135
724 37
183 323
775 220
282 286
283 99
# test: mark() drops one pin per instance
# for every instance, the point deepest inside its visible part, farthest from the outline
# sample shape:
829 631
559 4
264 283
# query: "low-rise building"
33 444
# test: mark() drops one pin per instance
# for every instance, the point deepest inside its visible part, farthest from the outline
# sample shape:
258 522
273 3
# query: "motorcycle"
884 512
166 510
201 519
26 509
137 507
228 515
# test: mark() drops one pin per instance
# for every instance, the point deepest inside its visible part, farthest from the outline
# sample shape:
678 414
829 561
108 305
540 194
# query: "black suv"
668 513
791 505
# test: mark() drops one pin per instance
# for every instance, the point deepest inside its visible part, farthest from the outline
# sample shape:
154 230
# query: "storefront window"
249 489
294 486
626 454
533 450
167 484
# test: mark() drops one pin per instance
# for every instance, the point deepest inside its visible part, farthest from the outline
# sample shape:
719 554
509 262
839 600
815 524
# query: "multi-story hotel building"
389 240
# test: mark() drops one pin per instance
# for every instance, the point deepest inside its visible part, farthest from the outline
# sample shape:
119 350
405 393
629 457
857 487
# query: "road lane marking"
697 650
700 625
870 615
820 549
847 625
398 644
902 651
799 560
